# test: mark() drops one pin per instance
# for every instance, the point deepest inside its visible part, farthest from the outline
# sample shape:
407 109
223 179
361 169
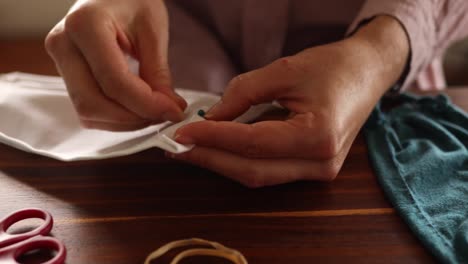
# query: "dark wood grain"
119 210
26 56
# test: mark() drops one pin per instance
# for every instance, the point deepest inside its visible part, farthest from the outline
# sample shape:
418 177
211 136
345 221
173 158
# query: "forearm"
431 26
387 45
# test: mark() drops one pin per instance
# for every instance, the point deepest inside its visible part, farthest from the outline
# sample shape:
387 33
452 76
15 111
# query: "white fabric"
37 116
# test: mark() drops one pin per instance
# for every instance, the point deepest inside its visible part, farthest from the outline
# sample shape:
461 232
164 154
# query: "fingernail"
215 108
179 97
173 116
183 139
181 101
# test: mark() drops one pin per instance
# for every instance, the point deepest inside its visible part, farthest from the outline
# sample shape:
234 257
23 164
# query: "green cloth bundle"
419 151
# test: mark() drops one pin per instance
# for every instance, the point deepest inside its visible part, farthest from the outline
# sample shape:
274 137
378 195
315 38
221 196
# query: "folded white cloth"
37 116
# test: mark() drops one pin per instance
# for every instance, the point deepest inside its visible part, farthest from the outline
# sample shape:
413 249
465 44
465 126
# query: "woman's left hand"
329 90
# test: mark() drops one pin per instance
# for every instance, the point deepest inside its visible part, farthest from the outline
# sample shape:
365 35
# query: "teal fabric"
418 150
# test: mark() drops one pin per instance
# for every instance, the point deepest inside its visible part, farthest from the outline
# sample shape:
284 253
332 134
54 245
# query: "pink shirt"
256 32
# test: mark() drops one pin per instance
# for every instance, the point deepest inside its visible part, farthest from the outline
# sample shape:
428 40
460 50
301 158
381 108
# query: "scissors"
13 246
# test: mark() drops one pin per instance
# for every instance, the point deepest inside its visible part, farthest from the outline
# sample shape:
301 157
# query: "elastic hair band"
217 250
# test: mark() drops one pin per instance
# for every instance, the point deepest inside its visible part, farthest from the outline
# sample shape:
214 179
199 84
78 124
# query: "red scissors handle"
10 254
8 239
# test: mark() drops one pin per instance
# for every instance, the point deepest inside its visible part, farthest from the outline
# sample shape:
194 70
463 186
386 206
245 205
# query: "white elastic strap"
218 250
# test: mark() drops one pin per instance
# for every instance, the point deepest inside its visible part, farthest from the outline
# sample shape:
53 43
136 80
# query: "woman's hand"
90 47
329 90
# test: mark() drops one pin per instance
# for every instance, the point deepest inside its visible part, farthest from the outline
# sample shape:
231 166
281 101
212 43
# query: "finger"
259 86
152 37
101 50
84 92
267 139
257 172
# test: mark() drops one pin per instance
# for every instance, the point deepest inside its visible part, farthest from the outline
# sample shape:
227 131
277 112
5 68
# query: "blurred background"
34 18
30 18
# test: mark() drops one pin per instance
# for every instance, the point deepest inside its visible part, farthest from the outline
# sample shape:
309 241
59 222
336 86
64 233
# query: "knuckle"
241 88
148 13
78 20
289 65
327 143
74 22
329 146
161 72
54 41
159 76
284 62
236 82
240 81
324 143
330 170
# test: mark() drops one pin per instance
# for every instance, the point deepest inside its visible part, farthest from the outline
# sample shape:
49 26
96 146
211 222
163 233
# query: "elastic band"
218 250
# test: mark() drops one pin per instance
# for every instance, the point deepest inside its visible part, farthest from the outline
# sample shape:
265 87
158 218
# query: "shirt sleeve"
431 26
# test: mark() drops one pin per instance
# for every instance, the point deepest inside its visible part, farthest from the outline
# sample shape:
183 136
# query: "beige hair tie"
217 250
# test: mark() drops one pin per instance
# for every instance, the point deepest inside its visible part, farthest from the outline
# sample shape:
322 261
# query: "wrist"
387 47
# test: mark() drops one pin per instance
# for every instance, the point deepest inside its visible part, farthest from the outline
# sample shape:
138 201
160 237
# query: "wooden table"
119 210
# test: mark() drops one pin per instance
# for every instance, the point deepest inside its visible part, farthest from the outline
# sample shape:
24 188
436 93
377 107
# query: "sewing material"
216 250
37 116
419 151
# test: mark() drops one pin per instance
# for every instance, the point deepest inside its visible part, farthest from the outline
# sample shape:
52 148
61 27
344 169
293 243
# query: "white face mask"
37 116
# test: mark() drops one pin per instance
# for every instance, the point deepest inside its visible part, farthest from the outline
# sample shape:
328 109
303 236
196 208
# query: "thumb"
152 49
263 85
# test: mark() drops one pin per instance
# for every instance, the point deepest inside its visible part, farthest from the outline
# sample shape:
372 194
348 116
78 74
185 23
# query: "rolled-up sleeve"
431 26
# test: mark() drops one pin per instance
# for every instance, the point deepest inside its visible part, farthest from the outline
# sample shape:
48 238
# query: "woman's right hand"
90 47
